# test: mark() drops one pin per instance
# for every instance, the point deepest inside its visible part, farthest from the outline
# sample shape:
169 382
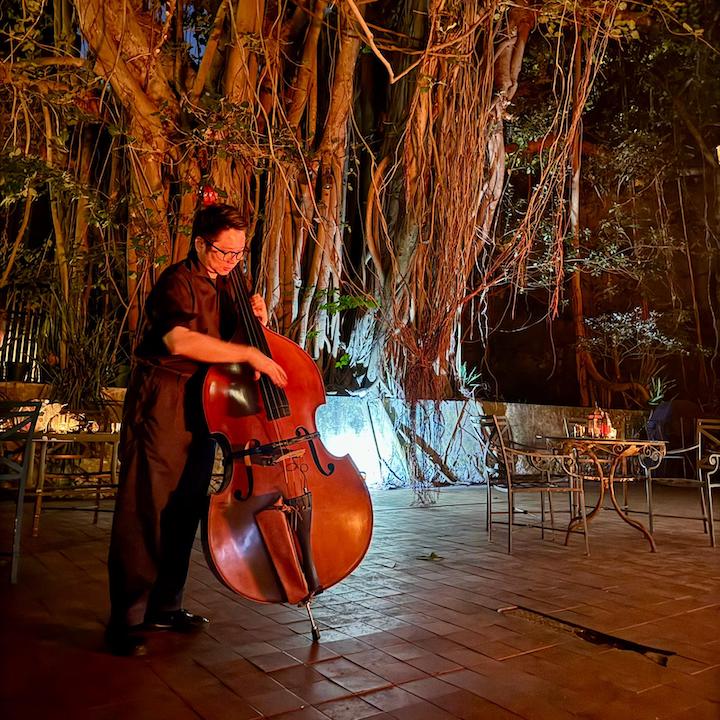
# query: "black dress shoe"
176 620
125 641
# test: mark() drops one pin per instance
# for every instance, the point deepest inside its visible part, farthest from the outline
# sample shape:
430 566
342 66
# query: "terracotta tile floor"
415 633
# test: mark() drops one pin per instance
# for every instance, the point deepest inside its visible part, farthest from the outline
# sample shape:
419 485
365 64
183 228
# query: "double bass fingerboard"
274 398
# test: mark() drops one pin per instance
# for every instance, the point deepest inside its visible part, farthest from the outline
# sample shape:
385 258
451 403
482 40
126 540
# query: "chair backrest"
486 432
672 422
707 436
571 422
17 425
496 435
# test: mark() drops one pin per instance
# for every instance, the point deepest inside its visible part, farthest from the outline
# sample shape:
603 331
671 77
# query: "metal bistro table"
77 446
606 456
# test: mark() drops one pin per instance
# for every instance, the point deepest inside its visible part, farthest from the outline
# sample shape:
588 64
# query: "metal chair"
550 473
17 425
704 455
76 466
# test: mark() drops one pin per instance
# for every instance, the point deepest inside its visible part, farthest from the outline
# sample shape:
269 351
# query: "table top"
603 441
648 452
76 437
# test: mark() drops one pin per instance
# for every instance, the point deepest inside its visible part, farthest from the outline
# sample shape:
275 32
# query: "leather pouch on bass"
280 543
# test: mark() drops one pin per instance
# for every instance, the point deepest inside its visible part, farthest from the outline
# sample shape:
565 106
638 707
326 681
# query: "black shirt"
184 296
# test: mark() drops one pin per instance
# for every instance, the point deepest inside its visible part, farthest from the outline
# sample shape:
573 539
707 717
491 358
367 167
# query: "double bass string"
256 338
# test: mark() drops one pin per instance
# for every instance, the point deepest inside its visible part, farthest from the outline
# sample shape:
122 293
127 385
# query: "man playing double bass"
165 450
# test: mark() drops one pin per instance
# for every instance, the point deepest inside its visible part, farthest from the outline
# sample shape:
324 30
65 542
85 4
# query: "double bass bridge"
268 454
272 453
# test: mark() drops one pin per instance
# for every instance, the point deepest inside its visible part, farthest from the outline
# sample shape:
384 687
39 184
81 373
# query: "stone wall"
363 429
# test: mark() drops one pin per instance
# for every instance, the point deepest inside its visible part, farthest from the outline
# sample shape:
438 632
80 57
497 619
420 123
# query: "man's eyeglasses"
228 254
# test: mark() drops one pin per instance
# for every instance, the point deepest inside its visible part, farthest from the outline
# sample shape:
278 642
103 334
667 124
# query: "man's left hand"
259 308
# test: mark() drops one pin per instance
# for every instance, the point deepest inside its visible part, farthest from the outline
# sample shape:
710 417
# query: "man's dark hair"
211 220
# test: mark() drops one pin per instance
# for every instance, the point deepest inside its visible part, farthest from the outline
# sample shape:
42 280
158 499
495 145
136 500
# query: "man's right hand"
261 363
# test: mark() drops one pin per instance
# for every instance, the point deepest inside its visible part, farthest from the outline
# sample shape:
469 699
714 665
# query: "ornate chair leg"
710 516
552 513
511 519
649 499
488 519
583 513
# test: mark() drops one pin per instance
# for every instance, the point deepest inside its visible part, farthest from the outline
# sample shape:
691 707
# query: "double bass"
290 519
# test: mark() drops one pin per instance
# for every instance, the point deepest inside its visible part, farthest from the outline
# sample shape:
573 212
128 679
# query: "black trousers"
166 463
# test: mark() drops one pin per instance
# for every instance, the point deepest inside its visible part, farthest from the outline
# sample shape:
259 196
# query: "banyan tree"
419 174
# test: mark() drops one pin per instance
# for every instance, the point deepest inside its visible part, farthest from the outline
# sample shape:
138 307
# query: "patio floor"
425 629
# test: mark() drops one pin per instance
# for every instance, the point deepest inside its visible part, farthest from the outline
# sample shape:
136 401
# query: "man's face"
222 255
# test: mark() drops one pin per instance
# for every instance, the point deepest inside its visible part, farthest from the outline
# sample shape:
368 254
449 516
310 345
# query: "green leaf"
343 361
434 557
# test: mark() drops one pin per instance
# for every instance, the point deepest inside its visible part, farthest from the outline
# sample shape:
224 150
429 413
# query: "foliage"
631 334
648 218
93 365
659 386
634 343
470 382
343 361
337 303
